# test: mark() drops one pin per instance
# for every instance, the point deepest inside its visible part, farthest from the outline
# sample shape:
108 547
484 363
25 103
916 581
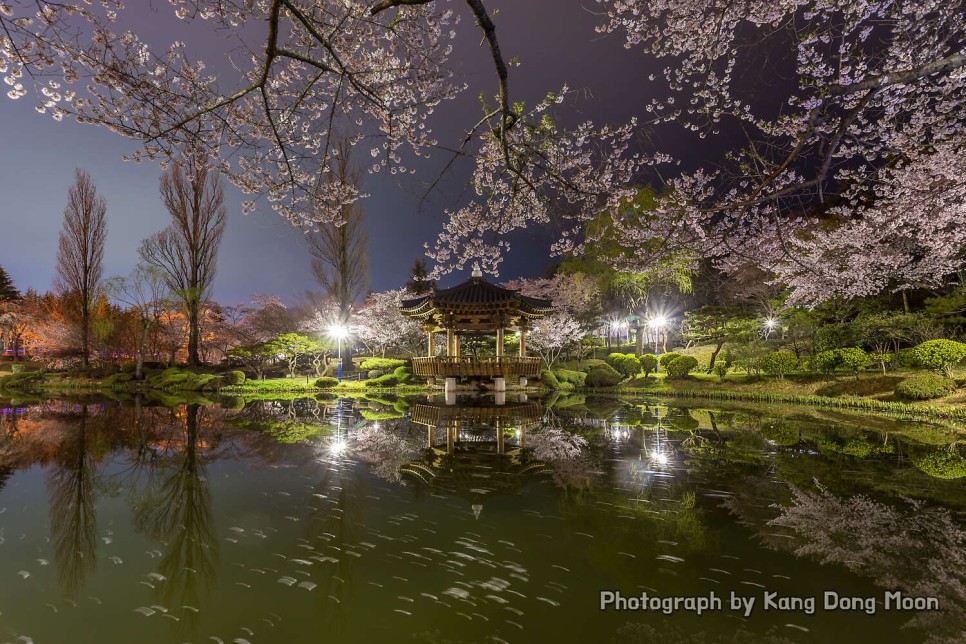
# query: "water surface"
386 520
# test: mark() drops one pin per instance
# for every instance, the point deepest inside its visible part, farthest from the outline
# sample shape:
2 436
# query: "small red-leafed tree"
80 251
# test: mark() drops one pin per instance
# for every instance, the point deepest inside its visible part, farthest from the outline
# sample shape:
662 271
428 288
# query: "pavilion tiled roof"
477 293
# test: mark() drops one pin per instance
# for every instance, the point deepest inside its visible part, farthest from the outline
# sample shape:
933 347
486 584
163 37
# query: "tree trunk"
638 341
85 334
16 347
714 356
905 301
193 314
139 369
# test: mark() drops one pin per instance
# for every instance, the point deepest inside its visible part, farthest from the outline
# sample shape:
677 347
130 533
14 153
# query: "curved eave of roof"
475 293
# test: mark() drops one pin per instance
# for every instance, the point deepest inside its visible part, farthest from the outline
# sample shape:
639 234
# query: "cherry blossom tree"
380 325
867 136
575 300
870 135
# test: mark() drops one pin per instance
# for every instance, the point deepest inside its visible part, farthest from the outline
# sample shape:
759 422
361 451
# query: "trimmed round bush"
826 361
603 376
385 364
575 378
853 359
668 358
907 358
648 363
375 373
779 363
402 374
940 355
631 366
387 380
925 386
548 378
326 382
234 378
681 366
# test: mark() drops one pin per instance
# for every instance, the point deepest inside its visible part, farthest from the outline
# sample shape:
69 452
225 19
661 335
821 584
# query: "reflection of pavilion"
471 308
476 452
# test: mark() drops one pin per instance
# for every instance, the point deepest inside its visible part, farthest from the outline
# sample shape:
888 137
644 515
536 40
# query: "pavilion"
472 308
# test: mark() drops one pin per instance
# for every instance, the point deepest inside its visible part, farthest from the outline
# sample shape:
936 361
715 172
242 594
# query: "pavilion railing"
486 367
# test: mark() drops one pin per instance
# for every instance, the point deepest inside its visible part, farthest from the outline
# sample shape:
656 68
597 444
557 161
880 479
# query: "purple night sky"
555 43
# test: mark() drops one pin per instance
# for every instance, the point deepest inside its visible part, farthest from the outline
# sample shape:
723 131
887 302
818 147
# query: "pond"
386 520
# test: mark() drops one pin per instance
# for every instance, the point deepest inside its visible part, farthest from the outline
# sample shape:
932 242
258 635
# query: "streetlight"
339 332
770 324
657 323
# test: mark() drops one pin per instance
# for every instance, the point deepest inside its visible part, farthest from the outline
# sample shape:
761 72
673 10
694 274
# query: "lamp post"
339 332
657 323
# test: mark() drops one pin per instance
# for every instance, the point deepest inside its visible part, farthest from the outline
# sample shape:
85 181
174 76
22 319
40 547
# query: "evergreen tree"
419 282
8 292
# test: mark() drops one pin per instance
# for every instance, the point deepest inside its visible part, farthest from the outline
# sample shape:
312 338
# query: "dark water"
386 520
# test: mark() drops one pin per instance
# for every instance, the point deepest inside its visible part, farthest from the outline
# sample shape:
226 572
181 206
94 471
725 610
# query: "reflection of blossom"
572 465
384 449
921 552
552 444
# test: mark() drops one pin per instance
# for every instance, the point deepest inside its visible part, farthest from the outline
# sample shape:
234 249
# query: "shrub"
826 361
216 383
721 369
849 358
576 378
632 366
940 355
668 358
681 366
603 376
385 364
234 378
387 380
129 367
402 374
779 363
925 386
590 364
549 379
326 382
614 359
648 363
375 373
853 359
907 358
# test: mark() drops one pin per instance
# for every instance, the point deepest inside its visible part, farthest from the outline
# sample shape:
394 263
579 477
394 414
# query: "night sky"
261 254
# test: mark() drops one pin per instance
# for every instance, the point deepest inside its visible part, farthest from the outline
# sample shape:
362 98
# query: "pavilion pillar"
456 345
449 342
523 342
499 343
432 344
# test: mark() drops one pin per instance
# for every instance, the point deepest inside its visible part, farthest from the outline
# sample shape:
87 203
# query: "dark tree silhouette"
81 250
187 250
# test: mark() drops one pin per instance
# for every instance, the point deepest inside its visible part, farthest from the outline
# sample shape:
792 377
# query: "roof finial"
476 270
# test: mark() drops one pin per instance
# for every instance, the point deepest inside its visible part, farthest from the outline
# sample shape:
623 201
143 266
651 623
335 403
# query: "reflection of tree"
921 552
387 446
335 525
179 514
73 518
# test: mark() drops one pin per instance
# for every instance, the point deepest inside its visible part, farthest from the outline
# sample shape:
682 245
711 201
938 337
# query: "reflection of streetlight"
339 332
338 447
